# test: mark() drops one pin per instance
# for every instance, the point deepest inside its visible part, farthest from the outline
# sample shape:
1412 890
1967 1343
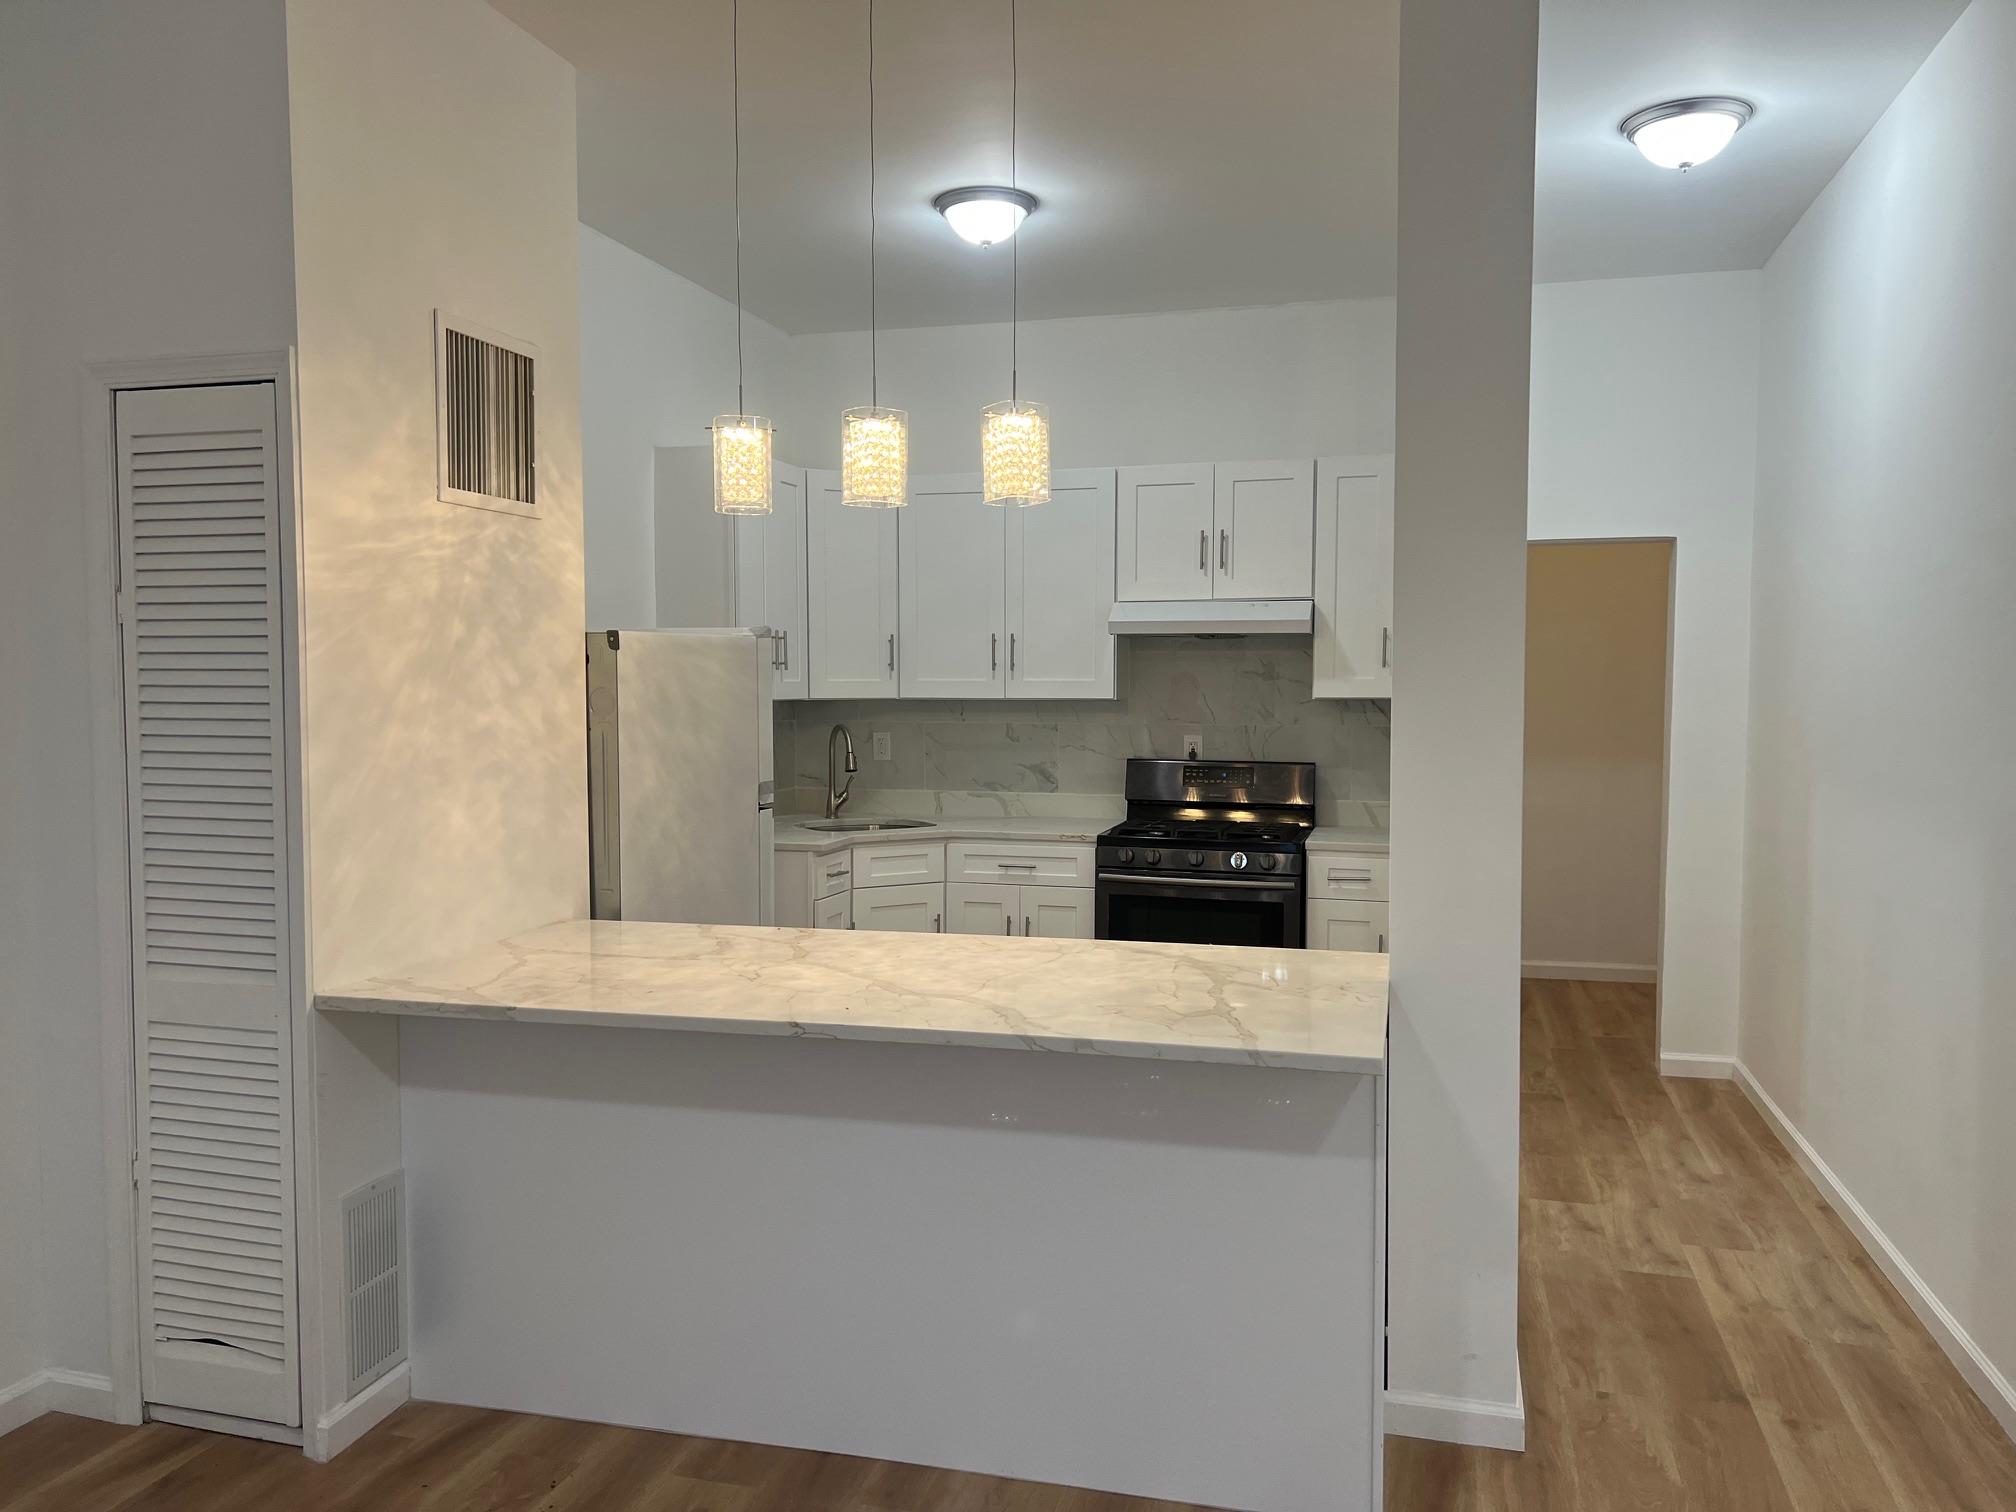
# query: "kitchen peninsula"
833 1213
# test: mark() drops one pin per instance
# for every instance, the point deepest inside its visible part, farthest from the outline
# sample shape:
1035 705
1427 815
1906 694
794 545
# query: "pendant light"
1015 433
874 442
745 462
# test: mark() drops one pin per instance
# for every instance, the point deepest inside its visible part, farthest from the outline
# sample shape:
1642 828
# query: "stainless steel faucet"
836 797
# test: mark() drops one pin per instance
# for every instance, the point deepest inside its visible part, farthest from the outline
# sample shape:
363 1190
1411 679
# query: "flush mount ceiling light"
1686 133
985 214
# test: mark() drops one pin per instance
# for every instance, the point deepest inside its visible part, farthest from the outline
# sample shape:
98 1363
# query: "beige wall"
442 662
1596 628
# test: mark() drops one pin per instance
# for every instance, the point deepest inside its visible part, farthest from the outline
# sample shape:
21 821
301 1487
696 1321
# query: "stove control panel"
1285 864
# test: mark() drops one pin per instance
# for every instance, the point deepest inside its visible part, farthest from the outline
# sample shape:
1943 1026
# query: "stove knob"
1237 861
1196 858
1268 863
1126 855
1153 858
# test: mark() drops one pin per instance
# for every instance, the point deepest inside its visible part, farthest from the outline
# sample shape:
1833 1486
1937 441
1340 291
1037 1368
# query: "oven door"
1199 910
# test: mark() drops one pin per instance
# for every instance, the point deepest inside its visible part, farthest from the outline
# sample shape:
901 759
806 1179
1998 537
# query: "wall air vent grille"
374 1307
487 429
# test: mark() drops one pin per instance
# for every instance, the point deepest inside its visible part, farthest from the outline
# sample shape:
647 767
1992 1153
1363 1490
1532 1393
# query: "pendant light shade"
1015 453
745 456
874 457
745 464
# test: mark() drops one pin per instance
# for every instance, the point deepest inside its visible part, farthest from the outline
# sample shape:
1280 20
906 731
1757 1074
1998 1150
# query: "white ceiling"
1189 154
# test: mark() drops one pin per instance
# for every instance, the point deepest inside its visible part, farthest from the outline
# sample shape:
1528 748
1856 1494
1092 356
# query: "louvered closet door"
199 489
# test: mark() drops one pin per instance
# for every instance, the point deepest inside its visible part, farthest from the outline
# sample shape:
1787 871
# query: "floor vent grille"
374 1305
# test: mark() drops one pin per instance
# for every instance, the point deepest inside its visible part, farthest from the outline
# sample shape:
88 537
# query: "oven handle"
1285 885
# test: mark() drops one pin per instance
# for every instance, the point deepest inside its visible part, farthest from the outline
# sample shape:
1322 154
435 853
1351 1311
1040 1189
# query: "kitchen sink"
851 825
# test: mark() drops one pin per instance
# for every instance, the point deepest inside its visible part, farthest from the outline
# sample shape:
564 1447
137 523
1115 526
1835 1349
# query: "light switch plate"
884 747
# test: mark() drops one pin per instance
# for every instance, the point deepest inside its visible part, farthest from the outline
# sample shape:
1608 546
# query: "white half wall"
1879 983
144 174
1645 425
657 365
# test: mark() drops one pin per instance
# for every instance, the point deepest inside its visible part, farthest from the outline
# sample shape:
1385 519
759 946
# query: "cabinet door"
851 594
1060 590
1265 515
1354 578
982 908
953 551
919 909
1163 537
836 912
1057 913
1337 925
770 581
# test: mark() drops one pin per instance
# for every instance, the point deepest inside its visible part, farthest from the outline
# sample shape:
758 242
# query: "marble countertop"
1312 1010
793 836
1361 840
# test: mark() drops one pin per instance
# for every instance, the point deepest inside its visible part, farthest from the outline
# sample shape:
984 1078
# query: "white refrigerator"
680 776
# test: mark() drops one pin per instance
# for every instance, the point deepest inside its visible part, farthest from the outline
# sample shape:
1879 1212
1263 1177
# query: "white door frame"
101 383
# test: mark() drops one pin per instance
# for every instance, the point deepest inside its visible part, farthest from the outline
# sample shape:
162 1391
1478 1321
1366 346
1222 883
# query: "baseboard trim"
1460 1420
1975 1367
1707 1067
339 1428
1587 971
73 1391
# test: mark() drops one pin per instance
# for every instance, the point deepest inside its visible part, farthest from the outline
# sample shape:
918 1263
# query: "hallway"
1699 1333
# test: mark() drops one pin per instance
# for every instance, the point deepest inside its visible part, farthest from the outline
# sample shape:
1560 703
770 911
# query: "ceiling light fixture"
745 462
874 442
1684 134
1014 435
984 214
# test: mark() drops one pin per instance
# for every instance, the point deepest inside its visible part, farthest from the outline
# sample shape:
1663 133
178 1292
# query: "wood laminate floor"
1698 1331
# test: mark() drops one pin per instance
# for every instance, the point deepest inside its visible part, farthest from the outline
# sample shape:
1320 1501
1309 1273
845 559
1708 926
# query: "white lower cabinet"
918 908
997 908
1336 924
836 912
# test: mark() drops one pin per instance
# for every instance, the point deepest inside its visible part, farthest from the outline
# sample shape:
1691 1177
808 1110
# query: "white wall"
1644 425
442 678
1596 619
1195 386
144 170
1879 984
657 365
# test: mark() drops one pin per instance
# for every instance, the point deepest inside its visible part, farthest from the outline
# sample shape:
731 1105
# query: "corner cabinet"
770 582
1233 530
852 594
1006 603
1354 578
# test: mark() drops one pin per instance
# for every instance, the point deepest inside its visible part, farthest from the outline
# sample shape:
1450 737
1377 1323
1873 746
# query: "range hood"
1214 617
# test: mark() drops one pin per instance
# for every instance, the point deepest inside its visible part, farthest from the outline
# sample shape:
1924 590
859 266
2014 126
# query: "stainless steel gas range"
1210 853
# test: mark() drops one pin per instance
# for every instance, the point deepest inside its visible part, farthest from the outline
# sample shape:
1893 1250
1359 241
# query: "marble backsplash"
1245 696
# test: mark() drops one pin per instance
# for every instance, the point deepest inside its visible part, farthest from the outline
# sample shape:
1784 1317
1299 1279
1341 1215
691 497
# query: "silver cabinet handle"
1350 876
1224 540
1016 865
892 650
1011 653
994 652
1008 924
1025 926
1382 944
938 923
784 641
1385 645
1203 549
838 871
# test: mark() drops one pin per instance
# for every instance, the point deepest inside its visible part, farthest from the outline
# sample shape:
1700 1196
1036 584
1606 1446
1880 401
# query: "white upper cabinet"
1265 517
1060 590
1354 578
1240 530
953 552
1165 530
770 584
852 594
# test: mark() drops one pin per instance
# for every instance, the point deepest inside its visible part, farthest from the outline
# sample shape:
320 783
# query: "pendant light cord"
874 335
1014 242
735 95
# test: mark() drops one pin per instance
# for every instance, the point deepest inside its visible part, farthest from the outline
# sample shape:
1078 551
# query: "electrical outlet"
884 748
1193 745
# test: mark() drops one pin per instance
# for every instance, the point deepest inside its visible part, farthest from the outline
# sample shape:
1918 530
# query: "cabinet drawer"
899 863
1346 926
1045 864
1339 874
832 873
